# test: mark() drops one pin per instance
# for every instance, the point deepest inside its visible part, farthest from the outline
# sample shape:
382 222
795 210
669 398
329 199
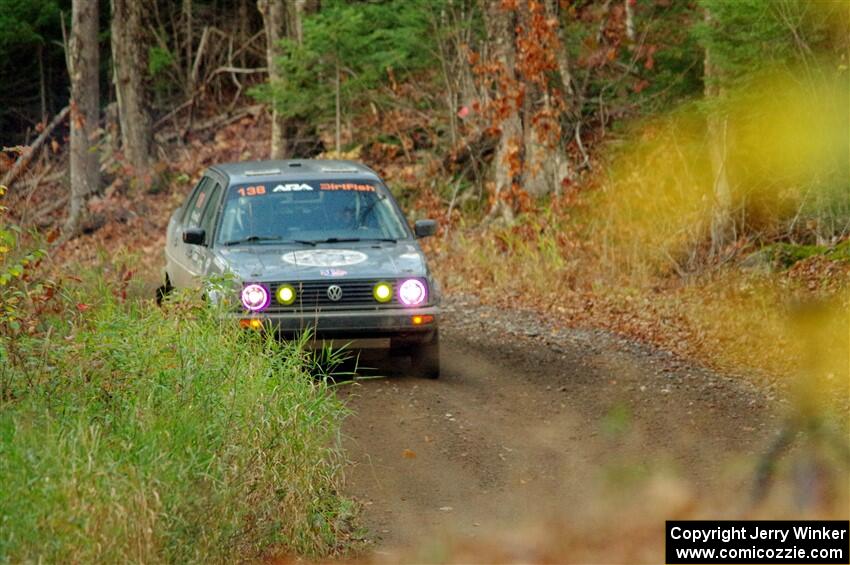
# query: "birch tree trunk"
129 57
83 64
722 226
630 21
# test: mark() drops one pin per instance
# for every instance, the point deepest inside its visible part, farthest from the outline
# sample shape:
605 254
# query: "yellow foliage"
786 148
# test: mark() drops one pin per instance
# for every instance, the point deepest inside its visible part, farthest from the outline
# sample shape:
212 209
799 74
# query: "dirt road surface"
528 423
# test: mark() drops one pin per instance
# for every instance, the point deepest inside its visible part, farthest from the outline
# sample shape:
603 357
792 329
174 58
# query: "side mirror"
425 228
194 236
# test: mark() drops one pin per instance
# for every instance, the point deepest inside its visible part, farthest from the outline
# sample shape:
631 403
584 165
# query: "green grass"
786 255
128 433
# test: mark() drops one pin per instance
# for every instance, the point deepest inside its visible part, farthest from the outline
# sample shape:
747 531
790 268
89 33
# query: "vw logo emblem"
334 293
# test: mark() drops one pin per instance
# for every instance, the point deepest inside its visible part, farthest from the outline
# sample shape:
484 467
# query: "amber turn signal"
421 320
251 323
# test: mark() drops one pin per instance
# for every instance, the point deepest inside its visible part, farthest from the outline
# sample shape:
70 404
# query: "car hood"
338 260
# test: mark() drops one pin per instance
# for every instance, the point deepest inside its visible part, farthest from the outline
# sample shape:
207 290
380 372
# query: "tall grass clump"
130 433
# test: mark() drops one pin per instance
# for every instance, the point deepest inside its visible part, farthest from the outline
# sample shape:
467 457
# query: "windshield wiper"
252 239
258 238
350 239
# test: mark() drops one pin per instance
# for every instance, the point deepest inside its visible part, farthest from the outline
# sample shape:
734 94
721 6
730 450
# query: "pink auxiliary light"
255 297
412 292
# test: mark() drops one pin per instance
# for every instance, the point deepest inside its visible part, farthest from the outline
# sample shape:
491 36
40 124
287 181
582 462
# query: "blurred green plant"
19 292
159 58
134 433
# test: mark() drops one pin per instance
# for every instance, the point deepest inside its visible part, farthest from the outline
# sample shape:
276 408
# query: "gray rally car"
312 244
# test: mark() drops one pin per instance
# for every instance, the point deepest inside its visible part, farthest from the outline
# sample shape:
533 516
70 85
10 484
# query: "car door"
179 263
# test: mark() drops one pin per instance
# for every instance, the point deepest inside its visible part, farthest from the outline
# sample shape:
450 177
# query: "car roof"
294 169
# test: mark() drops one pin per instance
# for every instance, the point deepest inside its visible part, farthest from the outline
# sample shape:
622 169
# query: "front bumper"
395 324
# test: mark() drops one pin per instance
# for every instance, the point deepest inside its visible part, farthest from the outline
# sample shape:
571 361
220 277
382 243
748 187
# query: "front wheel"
425 358
163 291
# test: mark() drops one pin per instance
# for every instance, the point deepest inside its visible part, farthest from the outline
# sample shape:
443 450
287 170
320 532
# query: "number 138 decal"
251 190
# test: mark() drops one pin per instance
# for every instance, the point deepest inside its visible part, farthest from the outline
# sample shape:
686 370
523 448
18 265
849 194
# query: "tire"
163 291
425 358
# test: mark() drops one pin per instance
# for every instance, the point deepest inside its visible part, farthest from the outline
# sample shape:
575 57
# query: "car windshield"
309 212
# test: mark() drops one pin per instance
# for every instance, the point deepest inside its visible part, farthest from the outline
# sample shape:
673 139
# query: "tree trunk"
553 10
42 87
295 28
557 164
630 21
85 98
545 162
722 226
507 161
274 21
530 154
189 38
129 57
337 113
282 19
243 31
536 153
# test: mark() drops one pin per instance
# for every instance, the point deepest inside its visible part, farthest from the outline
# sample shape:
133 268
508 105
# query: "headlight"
383 292
255 297
412 292
286 294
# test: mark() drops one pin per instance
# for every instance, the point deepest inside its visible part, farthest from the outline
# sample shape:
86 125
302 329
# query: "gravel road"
529 422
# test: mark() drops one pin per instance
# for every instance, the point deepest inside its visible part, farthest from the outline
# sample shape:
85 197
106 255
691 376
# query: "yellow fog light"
286 294
383 292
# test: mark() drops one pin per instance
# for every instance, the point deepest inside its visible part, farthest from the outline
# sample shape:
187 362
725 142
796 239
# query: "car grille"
313 295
